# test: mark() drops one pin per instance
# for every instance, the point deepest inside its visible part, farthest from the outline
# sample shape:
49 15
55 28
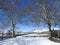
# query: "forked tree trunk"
13 34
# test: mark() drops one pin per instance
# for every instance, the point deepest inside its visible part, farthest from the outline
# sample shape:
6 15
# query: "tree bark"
49 26
13 34
2 36
50 33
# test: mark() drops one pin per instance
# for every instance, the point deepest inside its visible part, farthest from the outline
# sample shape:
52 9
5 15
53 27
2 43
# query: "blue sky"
23 4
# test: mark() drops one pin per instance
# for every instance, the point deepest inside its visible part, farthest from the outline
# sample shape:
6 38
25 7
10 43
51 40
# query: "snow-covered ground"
21 40
30 39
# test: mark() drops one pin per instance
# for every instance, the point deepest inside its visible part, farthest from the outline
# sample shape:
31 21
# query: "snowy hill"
35 32
19 31
39 30
4 31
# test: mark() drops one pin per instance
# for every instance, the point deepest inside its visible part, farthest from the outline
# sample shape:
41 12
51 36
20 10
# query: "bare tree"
44 11
13 13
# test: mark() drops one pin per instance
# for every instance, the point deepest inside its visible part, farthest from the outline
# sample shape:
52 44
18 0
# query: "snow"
4 31
36 35
39 30
30 39
21 40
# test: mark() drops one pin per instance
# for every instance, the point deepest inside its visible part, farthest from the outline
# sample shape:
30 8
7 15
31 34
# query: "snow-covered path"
28 41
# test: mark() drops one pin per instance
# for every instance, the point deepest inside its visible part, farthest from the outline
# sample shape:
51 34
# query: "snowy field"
22 40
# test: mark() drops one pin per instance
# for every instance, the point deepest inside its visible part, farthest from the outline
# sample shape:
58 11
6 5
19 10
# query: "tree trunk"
49 26
2 36
13 34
